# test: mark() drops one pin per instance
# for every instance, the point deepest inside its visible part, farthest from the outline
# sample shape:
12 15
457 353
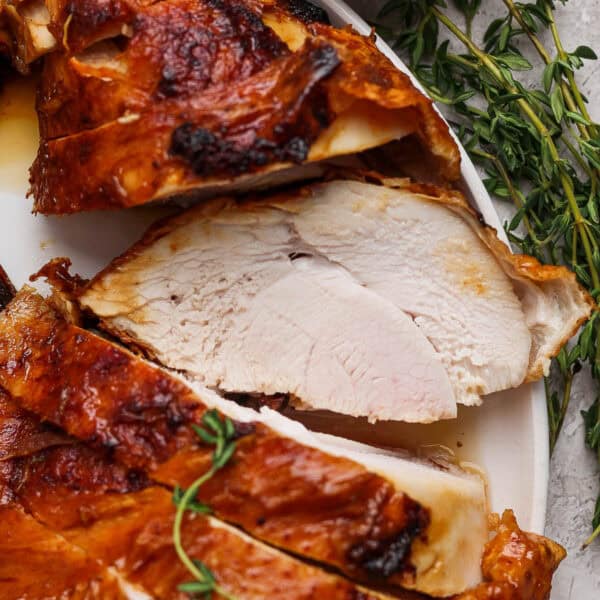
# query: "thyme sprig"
219 433
538 147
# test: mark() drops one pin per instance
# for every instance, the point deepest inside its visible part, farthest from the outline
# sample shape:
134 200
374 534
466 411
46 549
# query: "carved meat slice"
195 96
234 294
244 305
78 493
284 480
104 519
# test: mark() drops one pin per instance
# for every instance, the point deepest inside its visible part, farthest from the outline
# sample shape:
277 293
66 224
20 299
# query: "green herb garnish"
539 147
218 433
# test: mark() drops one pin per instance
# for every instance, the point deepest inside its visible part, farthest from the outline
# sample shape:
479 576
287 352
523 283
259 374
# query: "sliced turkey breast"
223 292
156 99
259 316
249 308
284 481
94 509
495 318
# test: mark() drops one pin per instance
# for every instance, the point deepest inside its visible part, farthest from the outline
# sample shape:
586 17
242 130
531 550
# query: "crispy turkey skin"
110 529
284 480
141 101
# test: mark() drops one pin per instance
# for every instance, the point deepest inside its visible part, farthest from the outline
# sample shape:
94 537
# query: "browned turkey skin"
275 488
101 498
516 565
37 564
116 517
141 100
128 161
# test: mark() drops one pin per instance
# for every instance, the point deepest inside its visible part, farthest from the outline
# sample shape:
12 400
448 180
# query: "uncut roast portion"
141 100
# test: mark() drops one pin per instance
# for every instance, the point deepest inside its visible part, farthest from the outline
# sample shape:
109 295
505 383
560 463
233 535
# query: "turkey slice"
332 501
195 97
495 318
273 296
239 302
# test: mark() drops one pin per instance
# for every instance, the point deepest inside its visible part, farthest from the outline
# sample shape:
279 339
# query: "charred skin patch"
186 46
307 12
382 557
208 154
7 289
226 152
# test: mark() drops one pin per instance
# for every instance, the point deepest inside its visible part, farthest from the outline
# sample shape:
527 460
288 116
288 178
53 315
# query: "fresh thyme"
538 147
219 433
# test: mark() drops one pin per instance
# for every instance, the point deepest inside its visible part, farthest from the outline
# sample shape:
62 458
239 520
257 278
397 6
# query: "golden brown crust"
176 49
135 532
174 145
36 563
200 94
21 433
96 506
366 74
516 565
77 25
274 488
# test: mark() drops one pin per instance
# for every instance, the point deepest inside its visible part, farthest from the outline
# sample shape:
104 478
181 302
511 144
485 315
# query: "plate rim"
479 197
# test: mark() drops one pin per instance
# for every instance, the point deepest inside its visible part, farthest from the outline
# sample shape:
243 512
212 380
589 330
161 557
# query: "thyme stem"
570 77
567 184
219 433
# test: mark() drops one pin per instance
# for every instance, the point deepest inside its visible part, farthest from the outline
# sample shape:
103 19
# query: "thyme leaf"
218 432
538 147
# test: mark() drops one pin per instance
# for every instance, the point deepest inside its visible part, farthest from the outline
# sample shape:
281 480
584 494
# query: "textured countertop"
575 475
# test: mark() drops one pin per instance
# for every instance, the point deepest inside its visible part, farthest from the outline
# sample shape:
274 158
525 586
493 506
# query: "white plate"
507 436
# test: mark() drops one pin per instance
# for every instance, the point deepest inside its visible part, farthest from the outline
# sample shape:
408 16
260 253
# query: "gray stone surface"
575 475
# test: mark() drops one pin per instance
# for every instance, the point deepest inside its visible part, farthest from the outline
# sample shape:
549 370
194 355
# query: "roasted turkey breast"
107 520
374 516
142 100
393 303
108 526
